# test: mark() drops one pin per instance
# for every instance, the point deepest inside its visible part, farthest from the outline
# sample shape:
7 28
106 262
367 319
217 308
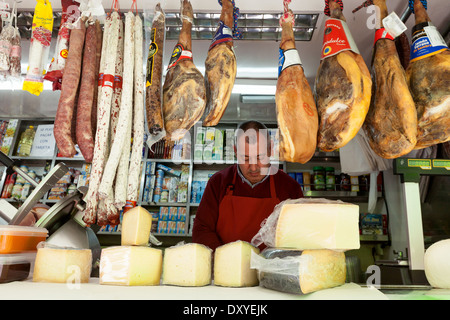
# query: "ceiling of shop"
257 60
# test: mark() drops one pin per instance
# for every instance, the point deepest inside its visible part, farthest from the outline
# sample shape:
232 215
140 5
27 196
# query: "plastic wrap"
268 230
5 47
130 266
56 67
299 272
41 37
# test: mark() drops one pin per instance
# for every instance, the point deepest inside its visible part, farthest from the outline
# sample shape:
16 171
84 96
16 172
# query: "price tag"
394 25
44 142
434 36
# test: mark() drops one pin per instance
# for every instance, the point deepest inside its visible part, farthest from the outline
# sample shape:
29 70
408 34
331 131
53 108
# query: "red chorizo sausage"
69 87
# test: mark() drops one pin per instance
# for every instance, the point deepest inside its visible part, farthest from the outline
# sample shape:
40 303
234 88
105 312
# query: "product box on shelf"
171 220
9 135
372 224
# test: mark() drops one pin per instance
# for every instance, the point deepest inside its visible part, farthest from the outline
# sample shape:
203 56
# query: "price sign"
44 142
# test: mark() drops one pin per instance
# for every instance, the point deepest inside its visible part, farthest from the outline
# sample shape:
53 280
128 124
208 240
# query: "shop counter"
93 290
29 290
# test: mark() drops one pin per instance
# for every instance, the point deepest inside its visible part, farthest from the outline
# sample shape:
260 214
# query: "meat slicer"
63 220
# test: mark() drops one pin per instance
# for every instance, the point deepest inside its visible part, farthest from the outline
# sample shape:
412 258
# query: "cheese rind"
136 226
304 272
130 266
232 265
62 265
318 226
187 265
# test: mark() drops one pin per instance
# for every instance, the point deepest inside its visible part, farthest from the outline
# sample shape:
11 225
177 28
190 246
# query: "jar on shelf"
345 182
330 179
319 178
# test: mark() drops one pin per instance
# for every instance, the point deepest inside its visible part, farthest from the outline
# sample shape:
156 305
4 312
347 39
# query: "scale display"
411 169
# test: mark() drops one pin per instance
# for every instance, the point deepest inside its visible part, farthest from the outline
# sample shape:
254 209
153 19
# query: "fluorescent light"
12 85
254 89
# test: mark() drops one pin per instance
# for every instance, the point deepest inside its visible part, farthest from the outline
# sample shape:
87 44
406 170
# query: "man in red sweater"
237 199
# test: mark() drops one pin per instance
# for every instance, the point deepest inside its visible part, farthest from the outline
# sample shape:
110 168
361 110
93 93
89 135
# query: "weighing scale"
410 171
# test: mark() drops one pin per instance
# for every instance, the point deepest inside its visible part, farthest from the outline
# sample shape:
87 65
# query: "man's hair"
248 125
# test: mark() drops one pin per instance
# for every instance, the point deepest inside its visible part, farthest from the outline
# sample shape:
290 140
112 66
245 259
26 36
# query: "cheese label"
426 41
337 38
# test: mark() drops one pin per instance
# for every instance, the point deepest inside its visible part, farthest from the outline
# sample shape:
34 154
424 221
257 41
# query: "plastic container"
17 239
16 267
319 178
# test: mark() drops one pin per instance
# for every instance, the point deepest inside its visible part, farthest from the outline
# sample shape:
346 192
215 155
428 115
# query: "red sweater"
205 222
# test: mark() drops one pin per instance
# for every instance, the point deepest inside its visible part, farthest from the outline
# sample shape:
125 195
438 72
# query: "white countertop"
28 290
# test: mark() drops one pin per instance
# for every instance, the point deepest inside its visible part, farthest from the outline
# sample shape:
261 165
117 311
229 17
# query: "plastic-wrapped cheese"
187 265
311 224
136 226
437 264
62 265
232 265
131 266
300 272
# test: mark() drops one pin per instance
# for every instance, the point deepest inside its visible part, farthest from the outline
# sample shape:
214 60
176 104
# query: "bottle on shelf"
26 142
319 178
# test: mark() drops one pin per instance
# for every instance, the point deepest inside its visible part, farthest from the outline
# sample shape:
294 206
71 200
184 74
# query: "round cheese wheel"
437 264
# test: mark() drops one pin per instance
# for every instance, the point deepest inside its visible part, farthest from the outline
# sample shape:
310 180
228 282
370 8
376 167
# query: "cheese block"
131 266
318 226
232 265
303 272
136 226
62 265
187 265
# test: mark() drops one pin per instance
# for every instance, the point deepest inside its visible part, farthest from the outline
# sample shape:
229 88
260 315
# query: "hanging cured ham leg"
296 110
391 123
343 89
184 93
220 68
428 76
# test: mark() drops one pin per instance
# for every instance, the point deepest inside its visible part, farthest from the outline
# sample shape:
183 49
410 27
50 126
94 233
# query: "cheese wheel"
437 264
318 226
136 226
232 265
62 265
187 265
130 266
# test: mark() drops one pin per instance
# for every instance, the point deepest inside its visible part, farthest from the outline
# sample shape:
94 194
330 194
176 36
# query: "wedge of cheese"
232 265
62 265
318 226
303 272
187 265
131 266
136 226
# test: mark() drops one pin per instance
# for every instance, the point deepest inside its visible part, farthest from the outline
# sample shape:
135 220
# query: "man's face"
252 154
